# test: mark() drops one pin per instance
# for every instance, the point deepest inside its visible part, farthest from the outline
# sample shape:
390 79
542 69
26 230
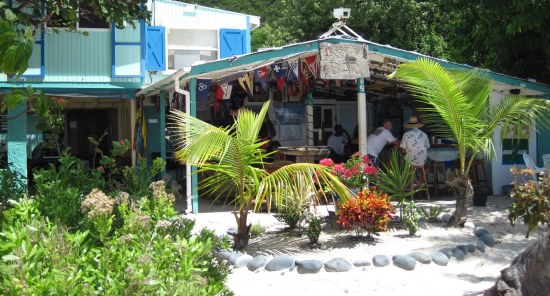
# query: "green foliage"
257 229
296 207
12 187
136 179
431 213
531 200
139 258
313 228
410 217
396 177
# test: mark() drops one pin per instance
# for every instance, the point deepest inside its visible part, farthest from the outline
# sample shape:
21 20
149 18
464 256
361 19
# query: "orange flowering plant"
368 211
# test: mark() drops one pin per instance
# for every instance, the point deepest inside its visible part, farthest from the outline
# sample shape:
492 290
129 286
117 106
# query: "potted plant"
354 173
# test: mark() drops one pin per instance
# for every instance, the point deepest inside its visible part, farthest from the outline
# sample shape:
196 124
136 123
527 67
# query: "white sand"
469 277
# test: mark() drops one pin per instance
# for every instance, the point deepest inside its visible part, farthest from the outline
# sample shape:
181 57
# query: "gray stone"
463 248
243 261
488 240
404 262
458 254
380 260
480 245
338 265
309 266
256 263
439 258
362 262
471 248
421 257
234 256
480 231
448 252
224 254
232 231
279 263
446 218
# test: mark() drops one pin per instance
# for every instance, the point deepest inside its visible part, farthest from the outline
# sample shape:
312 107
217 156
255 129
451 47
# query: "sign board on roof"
343 61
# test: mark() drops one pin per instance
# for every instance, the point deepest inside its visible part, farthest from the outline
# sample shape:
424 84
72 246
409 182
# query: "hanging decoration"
311 62
304 77
246 84
261 75
294 70
280 74
203 89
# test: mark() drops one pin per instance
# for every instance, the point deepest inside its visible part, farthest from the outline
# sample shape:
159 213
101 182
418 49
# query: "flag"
261 75
294 70
246 83
280 74
311 62
223 92
304 77
203 89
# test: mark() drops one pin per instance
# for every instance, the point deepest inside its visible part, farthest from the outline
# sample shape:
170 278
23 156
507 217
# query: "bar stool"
434 167
420 169
476 164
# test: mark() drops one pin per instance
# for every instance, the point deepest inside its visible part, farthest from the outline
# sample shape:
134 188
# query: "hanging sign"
343 61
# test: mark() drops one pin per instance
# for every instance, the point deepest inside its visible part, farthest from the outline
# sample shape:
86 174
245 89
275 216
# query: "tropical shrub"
531 200
12 187
298 200
355 172
368 211
431 213
142 257
313 228
410 217
136 179
257 229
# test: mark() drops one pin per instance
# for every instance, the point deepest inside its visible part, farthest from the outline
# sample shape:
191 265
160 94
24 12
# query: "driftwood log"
529 273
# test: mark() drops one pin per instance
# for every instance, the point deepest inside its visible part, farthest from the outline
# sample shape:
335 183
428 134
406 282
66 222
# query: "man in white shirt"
415 143
378 139
337 143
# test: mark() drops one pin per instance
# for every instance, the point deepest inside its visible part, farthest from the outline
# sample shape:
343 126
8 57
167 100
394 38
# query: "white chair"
532 166
546 160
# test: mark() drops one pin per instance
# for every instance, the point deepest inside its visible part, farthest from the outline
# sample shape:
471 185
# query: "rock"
446 218
380 260
448 252
256 263
234 256
471 248
480 231
279 263
470 225
480 245
309 266
404 262
463 248
362 262
488 240
232 231
458 254
421 257
439 258
224 254
338 265
243 261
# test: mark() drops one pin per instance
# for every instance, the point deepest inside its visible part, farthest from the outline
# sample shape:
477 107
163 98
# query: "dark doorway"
83 124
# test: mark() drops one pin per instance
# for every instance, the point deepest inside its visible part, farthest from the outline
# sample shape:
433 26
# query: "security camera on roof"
341 13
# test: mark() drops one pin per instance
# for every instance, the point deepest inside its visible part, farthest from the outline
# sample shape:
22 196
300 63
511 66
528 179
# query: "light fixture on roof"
341 13
339 28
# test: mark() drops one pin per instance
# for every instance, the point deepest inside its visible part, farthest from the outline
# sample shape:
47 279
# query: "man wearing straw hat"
415 143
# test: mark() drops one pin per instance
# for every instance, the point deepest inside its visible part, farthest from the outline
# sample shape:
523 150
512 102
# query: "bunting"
246 84
223 92
304 77
294 70
311 62
203 89
280 74
261 75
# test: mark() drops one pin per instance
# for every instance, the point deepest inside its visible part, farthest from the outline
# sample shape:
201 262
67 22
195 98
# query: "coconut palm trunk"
456 106
232 160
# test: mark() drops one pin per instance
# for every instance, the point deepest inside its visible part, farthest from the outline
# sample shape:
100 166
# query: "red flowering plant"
355 172
368 211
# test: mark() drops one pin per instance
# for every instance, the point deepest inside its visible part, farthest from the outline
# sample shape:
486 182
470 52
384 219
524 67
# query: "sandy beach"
469 277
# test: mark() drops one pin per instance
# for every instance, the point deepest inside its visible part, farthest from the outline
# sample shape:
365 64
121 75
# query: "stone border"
407 262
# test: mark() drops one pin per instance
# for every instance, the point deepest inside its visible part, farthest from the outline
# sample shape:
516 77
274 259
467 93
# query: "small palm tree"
235 164
460 100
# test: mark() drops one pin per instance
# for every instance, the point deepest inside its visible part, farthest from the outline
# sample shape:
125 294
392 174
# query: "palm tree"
234 163
460 99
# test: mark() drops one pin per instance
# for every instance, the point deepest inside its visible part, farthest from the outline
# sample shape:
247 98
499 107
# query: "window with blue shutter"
36 61
155 52
232 42
128 50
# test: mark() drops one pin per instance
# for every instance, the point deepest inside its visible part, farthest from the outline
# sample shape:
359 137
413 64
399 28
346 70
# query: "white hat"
413 122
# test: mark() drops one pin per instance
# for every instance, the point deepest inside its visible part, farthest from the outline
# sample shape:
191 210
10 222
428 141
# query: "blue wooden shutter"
155 52
128 51
232 42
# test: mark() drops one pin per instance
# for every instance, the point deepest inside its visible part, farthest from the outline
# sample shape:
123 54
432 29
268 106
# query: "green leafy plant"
136 179
313 229
12 187
531 199
431 213
396 178
368 211
410 217
296 206
235 160
257 229
355 172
